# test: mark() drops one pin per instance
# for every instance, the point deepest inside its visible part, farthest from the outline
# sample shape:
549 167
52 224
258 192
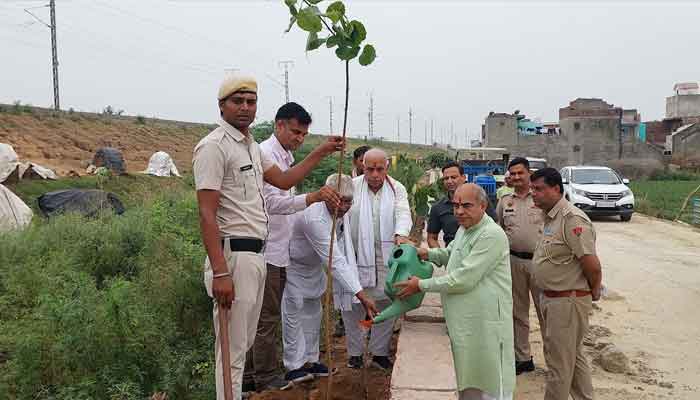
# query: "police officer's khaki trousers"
380 336
301 330
248 270
566 322
523 285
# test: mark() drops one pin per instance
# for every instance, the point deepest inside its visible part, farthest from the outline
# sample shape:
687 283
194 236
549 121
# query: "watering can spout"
404 263
396 308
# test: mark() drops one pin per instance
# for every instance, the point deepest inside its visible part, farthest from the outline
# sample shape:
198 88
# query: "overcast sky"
451 62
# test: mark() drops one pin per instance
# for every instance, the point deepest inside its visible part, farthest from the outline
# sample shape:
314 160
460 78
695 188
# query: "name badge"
547 231
246 167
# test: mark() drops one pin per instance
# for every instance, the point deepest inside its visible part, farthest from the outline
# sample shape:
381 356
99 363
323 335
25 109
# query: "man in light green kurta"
476 297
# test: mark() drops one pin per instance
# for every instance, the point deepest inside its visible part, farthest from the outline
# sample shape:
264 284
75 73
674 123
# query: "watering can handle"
392 272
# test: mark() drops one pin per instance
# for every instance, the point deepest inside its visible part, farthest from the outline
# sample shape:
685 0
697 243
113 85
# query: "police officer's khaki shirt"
521 220
232 163
567 235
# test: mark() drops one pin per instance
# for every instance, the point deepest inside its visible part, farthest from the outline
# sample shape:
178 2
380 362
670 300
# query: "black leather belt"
522 254
251 245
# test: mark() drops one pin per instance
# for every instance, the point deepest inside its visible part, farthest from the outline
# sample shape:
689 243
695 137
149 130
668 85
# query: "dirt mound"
67 141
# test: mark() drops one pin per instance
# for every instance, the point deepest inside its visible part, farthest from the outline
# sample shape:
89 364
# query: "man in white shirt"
306 281
291 126
379 218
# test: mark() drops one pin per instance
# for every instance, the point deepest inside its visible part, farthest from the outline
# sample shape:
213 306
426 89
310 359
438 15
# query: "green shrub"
107 308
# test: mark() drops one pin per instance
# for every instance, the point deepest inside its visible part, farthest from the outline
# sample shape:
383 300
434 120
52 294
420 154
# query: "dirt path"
652 271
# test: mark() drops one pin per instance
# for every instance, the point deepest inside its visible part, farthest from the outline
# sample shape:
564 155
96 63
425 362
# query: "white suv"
598 191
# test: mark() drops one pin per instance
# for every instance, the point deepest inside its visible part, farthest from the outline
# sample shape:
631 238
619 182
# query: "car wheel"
626 217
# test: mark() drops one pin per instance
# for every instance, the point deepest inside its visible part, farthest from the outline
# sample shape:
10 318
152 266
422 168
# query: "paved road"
652 270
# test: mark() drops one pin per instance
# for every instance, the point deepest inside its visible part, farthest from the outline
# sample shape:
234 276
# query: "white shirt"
280 204
309 246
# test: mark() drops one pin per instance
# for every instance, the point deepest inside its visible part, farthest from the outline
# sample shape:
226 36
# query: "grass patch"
663 199
107 308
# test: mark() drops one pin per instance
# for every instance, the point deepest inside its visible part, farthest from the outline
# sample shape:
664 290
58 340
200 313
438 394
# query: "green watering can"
403 264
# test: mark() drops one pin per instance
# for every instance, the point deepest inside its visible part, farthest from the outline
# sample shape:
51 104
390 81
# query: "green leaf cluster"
345 35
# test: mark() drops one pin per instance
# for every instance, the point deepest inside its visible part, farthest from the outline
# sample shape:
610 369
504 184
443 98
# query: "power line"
286 64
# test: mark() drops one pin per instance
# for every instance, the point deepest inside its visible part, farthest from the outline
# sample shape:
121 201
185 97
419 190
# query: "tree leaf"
347 53
336 11
293 10
313 42
290 3
292 20
308 20
333 41
314 1
359 33
368 55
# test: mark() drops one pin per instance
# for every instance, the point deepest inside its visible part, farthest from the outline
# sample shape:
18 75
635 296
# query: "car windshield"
538 164
595 176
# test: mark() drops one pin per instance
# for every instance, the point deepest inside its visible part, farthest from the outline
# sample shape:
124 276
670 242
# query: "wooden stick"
329 275
225 352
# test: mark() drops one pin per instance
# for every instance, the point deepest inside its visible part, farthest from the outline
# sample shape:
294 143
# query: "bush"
140 120
107 308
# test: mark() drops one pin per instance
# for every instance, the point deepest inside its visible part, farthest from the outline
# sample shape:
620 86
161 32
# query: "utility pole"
54 49
410 125
452 132
370 114
286 64
330 115
398 128
54 56
425 132
432 138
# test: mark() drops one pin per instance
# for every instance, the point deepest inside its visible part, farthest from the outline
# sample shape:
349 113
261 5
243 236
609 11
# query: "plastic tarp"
9 163
36 171
110 158
14 214
161 164
88 202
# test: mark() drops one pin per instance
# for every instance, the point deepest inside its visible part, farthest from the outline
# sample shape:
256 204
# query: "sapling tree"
333 29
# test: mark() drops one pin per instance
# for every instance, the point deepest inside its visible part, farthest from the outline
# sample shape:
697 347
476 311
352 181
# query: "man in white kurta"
380 218
306 281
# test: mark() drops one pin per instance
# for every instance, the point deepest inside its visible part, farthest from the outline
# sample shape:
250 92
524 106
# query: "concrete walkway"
424 369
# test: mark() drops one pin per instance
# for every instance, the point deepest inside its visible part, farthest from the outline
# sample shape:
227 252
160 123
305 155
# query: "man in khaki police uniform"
229 170
569 274
522 221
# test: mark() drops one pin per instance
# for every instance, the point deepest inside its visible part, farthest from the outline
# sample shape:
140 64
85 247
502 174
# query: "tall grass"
663 199
107 308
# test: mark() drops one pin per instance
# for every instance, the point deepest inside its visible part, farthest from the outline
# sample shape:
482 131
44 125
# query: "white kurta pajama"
306 281
375 219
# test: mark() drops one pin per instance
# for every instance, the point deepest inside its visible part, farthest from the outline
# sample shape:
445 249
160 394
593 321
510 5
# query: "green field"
663 199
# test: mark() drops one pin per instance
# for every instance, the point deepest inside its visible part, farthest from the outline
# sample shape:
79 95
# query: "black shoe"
318 370
524 366
298 376
277 383
356 362
382 362
248 389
